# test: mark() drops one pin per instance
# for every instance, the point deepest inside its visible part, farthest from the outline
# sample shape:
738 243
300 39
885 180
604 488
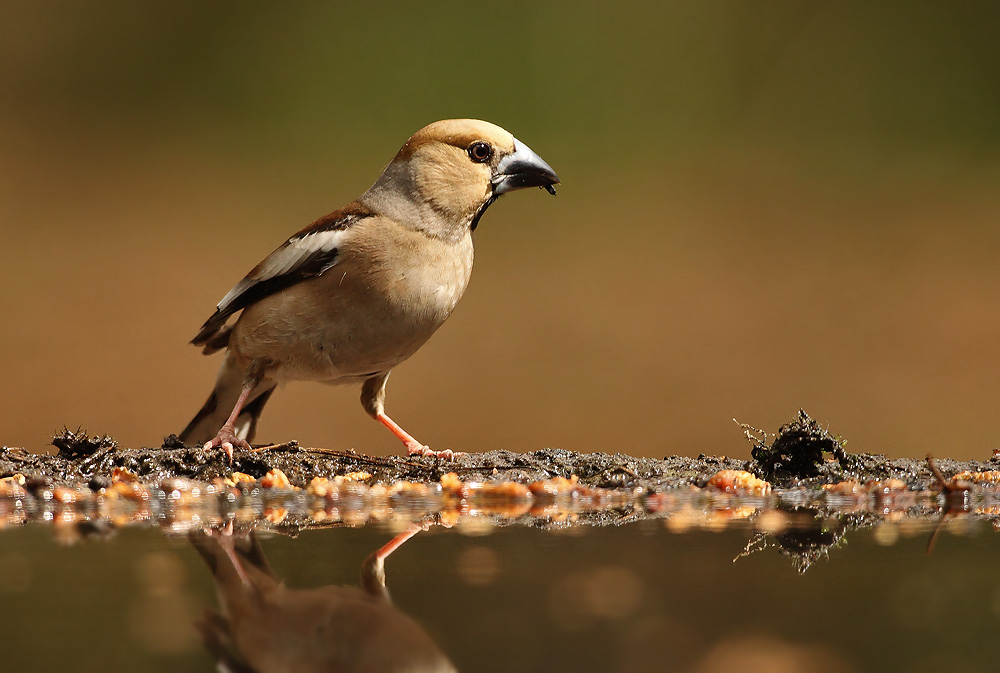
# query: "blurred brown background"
765 207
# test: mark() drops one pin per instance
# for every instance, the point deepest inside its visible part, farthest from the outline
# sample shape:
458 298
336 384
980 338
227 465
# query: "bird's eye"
480 152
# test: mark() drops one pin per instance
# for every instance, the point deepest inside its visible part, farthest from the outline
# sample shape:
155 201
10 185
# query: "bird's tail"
214 413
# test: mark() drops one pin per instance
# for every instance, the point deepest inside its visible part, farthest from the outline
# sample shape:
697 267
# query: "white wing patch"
288 259
297 250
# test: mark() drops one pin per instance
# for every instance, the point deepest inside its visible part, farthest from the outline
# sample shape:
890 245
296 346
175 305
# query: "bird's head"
452 170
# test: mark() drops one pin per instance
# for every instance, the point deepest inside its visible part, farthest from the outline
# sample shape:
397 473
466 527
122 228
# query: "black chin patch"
482 209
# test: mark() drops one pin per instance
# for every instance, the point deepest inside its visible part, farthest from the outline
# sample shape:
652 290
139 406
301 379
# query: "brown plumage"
358 291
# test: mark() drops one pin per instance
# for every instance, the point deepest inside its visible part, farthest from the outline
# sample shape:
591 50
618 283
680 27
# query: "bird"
358 291
266 626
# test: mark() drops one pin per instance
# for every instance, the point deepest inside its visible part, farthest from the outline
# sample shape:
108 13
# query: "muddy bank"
802 454
800 491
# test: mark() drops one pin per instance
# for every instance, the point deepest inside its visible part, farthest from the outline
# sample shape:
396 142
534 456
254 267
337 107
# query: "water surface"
637 597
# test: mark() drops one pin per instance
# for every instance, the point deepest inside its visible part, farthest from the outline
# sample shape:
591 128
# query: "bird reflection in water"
265 626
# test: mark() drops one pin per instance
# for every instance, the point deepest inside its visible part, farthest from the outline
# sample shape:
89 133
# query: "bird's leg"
413 447
373 569
224 538
227 439
373 400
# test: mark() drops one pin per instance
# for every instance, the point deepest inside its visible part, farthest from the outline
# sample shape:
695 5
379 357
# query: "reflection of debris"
804 544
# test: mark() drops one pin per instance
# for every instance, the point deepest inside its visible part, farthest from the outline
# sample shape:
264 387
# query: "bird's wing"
307 254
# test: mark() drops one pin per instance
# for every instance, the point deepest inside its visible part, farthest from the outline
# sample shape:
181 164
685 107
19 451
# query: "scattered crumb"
320 486
237 477
129 490
738 481
888 486
507 490
67 496
844 488
992 477
450 482
352 476
276 479
120 474
13 486
555 486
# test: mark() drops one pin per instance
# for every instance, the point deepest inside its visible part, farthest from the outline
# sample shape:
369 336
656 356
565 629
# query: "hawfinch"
358 291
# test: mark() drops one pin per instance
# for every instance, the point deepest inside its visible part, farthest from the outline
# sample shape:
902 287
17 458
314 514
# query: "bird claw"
428 452
224 531
228 442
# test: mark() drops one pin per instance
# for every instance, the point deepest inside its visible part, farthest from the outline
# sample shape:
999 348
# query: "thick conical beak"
523 168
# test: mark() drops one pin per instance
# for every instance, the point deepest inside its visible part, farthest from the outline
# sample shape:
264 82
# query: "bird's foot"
418 449
227 441
413 447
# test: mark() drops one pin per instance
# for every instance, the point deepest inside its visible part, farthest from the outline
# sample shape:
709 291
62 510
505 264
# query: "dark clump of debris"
797 450
805 453
76 444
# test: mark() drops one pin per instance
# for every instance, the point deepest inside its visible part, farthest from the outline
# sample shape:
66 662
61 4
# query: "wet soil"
802 454
801 491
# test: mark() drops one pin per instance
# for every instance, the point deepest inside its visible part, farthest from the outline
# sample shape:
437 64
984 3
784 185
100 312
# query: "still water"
634 597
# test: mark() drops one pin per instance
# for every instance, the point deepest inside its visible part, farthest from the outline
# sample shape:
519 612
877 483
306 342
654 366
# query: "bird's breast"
430 290
368 313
